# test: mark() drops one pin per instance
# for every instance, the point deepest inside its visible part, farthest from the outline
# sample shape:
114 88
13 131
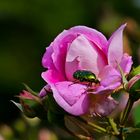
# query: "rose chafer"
85 76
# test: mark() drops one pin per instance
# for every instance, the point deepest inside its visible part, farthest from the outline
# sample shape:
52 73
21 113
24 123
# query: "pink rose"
83 48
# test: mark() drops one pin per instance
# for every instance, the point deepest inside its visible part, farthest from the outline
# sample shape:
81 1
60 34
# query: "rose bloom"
83 48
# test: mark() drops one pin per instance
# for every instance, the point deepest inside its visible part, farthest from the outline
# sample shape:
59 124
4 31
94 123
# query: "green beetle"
85 76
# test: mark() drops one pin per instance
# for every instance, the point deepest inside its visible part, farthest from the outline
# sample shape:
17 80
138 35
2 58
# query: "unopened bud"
134 87
31 105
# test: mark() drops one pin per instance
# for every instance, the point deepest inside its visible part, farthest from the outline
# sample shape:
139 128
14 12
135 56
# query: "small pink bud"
31 105
25 94
133 87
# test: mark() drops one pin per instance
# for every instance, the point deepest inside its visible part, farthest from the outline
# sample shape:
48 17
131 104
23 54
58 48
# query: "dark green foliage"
134 136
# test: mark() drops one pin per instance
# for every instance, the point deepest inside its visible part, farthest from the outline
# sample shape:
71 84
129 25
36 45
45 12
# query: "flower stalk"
101 129
113 125
125 116
126 111
93 125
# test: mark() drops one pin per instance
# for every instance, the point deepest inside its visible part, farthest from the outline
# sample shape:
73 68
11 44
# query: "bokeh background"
28 26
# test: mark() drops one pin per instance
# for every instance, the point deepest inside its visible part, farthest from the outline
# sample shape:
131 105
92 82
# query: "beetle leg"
76 81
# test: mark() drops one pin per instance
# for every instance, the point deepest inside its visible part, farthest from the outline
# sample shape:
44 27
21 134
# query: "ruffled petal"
47 61
89 57
115 48
60 45
93 35
110 79
71 97
55 54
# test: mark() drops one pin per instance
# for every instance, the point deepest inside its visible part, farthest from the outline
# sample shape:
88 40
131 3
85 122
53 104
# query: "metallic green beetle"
85 76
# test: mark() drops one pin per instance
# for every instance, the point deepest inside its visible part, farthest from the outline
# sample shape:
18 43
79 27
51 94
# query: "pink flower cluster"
83 48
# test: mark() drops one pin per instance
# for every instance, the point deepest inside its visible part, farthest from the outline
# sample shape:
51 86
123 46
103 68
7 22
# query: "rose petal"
93 35
126 63
71 97
52 76
106 89
89 57
47 61
110 77
71 67
60 45
69 91
115 49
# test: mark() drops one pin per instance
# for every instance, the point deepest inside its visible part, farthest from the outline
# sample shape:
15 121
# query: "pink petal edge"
115 48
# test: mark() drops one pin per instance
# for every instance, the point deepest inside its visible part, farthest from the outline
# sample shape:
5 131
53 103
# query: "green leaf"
55 119
77 128
134 135
136 114
138 125
128 130
17 105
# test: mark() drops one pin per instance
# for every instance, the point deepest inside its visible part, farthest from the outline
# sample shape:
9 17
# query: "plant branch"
125 116
126 111
97 127
113 125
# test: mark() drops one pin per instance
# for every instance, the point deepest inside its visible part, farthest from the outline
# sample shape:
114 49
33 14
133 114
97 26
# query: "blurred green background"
28 26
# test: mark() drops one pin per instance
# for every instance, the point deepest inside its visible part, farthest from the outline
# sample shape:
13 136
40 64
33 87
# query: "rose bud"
32 105
134 87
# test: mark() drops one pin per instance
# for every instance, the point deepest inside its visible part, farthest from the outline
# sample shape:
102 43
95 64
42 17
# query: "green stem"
79 136
76 122
94 126
125 116
97 127
126 112
113 125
